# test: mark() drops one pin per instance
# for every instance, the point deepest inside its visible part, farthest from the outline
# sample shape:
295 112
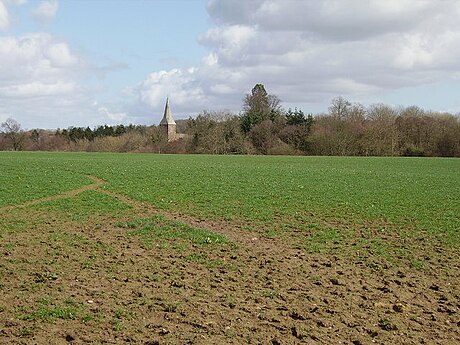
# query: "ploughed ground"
87 276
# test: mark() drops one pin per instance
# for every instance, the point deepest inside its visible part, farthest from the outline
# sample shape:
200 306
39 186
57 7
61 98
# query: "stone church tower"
168 124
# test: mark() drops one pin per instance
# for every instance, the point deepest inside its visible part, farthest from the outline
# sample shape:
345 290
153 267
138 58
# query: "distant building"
168 124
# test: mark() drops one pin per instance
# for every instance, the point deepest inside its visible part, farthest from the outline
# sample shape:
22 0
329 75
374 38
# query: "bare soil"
254 290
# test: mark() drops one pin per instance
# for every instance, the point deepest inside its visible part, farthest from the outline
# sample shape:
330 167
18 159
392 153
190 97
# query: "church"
168 124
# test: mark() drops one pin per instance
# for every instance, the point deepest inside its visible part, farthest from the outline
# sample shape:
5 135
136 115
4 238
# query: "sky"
93 62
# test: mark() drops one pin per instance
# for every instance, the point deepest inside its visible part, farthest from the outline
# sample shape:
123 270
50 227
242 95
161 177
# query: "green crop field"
228 249
264 192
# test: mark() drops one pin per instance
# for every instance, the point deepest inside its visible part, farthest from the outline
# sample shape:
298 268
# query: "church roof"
167 117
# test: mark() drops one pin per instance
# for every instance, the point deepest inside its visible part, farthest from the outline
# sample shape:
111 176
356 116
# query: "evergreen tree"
259 106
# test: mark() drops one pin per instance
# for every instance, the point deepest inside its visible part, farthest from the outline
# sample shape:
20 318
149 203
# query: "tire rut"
97 182
232 232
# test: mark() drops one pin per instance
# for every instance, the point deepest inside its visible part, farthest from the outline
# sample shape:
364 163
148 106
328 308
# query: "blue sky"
90 62
143 35
147 32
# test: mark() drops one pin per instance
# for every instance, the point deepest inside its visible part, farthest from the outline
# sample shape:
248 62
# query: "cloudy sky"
90 62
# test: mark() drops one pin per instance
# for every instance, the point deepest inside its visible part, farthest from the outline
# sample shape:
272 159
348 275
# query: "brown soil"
256 290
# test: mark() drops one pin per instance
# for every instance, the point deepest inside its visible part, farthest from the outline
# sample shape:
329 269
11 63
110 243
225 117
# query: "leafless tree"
13 132
340 107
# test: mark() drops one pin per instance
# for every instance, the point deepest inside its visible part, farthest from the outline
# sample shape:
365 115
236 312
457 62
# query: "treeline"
79 133
263 127
378 130
348 129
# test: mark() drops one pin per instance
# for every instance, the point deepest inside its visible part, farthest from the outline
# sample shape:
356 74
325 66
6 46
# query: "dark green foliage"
297 118
80 133
297 130
258 107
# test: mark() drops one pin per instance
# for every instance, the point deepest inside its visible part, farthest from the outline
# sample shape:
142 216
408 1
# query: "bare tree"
13 132
216 132
381 137
158 138
340 107
263 136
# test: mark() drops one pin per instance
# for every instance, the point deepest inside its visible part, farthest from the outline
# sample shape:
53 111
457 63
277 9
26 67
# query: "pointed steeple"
168 124
167 117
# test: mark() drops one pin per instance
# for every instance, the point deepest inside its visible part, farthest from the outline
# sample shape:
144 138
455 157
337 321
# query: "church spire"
167 117
168 124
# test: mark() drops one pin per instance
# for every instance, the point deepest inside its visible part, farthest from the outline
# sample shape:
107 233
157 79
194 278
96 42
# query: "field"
169 249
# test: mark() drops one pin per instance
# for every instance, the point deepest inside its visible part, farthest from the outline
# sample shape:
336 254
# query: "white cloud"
59 55
310 51
232 41
37 89
15 2
221 89
119 117
304 51
182 86
333 19
41 81
44 83
4 116
210 60
4 17
36 57
45 11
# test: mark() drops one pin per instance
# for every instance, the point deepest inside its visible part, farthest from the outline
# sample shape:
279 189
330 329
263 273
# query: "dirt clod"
109 284
163 331
434 287
297 315
398 307
296 332
69 337
334 281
